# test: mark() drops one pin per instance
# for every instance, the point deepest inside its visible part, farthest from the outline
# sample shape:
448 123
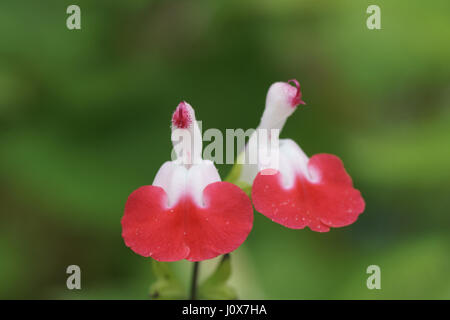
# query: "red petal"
329 200
187 231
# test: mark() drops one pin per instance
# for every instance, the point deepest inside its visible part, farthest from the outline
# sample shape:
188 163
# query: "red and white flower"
299 191
188 212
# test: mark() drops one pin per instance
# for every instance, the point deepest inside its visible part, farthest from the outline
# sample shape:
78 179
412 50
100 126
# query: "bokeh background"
85 115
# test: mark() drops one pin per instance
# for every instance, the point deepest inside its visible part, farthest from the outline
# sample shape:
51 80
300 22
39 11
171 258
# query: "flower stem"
194 280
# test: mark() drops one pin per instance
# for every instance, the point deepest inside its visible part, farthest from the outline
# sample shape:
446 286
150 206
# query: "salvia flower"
188 212
299 191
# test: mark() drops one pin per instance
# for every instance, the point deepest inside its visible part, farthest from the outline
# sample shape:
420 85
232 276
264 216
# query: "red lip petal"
187 231
330 202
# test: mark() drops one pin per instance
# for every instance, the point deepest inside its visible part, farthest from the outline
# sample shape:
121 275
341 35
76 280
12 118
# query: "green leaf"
235 174
166 286
215 287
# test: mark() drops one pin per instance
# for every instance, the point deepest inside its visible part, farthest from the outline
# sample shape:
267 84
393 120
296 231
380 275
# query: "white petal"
281 101
172 178
293 161
178 181
290 160
278 105
199 177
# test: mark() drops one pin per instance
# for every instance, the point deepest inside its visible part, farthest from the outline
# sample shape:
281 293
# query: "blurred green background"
85 115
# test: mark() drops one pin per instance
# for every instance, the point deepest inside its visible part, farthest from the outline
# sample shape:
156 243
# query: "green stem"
194 280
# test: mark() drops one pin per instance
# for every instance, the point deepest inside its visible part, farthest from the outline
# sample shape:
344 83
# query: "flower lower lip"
186 230
331 201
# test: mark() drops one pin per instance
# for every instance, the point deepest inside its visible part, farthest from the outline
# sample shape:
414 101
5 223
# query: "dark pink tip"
181 117
297 99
